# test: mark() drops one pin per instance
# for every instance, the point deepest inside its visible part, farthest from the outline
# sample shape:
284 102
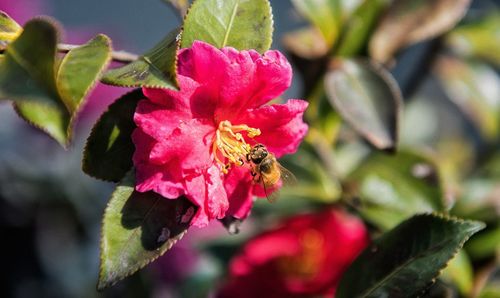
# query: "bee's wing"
287 177
271 195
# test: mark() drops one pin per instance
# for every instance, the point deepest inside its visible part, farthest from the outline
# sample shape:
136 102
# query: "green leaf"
9 29
137 229
155 69
52 119
27 70
475 89
109 149
392 188
406 260
80 69
356 33
411 21
326 15
28 77
242 24
480 39
368 98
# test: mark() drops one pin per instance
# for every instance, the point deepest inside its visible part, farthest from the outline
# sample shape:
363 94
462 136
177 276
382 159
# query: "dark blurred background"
50 212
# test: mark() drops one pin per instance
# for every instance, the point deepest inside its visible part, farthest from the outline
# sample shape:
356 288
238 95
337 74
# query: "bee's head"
257 154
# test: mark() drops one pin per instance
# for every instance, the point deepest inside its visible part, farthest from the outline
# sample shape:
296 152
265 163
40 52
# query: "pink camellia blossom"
194 142
305 256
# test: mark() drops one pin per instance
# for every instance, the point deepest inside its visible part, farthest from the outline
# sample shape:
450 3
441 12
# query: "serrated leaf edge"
457 249
174 76
100 285
79 107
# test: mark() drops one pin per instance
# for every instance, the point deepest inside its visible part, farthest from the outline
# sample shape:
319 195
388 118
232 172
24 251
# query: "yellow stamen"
229 143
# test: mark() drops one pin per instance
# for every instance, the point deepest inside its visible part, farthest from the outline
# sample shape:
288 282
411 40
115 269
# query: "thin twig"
117 56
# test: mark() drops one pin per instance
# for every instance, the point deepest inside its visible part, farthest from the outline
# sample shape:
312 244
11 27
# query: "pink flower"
194 142
305 256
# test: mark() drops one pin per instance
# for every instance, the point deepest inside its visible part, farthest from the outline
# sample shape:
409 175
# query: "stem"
117 56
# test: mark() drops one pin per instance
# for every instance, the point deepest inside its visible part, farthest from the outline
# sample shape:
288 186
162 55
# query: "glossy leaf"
479 39
9 29
326 15
368 98
359 26
392 188
137 229
406 260
475 89
411 21
155 69
80 69
109 149
242 24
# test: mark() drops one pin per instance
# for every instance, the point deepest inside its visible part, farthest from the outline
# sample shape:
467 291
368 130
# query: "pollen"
229 144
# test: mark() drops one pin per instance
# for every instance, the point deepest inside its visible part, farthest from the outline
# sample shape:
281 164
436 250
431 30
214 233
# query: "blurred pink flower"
193 142
303 257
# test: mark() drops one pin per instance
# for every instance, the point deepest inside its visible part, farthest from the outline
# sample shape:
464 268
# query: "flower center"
306 263
230 144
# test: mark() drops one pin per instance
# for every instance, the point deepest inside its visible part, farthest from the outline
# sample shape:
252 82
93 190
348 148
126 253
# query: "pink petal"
238 184
281 125
156 120
165 181
206 191
190 143
234 80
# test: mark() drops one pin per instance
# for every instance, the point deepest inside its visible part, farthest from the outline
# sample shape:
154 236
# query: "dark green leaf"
359 26
475 89
325 15
80 69
137 229
410 21
241 24
392 188
109 149
155 69
368 98
406 260
479 39
9 29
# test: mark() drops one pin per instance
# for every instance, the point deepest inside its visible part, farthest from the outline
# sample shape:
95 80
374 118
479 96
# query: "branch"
117 56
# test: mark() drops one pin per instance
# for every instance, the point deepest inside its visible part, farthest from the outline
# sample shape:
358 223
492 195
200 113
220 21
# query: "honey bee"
267 171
